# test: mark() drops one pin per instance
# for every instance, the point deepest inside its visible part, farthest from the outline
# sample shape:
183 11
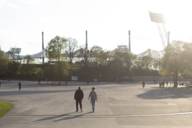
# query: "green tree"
13 69
38 73
58 71
98 55
3 63
174 61
56 49
14 54
186 55
121 63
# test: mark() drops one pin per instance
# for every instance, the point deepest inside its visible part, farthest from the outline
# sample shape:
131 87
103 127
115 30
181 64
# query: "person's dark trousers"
78 102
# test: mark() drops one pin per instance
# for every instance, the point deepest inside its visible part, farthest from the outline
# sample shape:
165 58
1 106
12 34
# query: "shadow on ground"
29 92
166 93
66 116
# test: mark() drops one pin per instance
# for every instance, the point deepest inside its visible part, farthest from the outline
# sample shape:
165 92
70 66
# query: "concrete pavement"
122 106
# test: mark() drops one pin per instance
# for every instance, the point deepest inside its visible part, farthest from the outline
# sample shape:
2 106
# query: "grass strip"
5 107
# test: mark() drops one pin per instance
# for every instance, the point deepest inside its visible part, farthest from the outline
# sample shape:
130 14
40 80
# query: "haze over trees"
177 60
66 59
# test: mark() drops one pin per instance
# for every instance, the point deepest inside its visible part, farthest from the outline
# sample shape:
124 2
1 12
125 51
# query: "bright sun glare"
178 19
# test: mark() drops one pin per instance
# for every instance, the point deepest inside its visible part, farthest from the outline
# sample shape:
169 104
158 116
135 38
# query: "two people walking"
79 95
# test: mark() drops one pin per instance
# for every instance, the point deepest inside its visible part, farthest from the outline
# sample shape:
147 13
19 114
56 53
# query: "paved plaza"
118 106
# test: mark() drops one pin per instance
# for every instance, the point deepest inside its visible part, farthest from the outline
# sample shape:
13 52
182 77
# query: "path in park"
119 106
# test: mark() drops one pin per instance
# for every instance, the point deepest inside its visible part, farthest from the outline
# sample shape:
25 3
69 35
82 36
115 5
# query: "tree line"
65 60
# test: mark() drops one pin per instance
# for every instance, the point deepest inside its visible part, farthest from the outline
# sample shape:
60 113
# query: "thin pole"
86 46
86 43
43 57
129 40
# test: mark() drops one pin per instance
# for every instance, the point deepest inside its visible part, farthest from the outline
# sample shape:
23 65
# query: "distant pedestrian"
163 84
19 86
78 96
175 84
93 98
143 84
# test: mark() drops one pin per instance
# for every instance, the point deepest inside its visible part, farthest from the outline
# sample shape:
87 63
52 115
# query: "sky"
107 22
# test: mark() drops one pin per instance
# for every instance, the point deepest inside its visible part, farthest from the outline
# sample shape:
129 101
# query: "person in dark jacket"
78 96
143 84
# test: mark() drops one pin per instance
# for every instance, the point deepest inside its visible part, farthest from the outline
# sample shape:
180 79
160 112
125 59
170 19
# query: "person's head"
93 88
79 88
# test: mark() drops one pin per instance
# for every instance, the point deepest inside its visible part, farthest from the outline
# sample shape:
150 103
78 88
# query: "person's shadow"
73 116
66 116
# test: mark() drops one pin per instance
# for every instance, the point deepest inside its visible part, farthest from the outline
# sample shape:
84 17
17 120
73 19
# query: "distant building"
38 57
122 48
155 55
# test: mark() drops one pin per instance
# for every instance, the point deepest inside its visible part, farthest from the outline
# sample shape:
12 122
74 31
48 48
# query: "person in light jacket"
93 98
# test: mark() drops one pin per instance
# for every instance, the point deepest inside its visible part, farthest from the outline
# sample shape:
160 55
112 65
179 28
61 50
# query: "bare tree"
71 47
